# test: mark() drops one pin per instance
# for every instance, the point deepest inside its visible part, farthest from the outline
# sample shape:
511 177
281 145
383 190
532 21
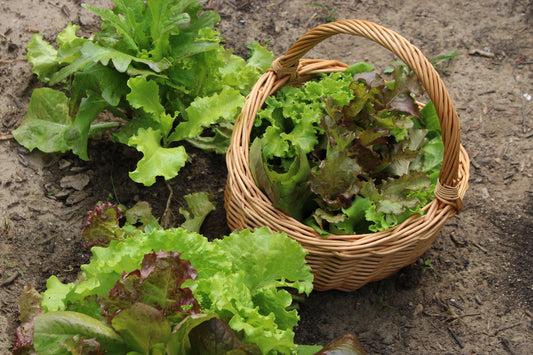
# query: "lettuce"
153 296
244 278
158 65
349 153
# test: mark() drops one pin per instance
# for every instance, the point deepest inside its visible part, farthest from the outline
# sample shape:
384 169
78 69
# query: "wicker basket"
347 262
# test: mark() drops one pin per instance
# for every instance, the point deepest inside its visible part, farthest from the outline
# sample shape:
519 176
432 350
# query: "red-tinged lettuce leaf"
102 225
22 343
157 283
217 338
335 179
400 96
396 194
397 199
30 309
77 345
142 327
53 329
347 344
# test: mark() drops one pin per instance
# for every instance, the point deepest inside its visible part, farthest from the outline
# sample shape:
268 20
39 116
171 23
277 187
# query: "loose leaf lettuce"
49 127
53 329
43 57
373 158
158 64
102 225
199 206
151 296
243 278
157 161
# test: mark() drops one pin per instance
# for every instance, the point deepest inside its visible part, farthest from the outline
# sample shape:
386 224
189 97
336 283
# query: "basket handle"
447 190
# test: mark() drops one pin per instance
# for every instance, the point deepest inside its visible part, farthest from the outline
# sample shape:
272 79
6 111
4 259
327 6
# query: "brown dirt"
480 287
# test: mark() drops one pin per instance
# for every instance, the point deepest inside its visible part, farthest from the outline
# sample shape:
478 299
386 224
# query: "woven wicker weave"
347 262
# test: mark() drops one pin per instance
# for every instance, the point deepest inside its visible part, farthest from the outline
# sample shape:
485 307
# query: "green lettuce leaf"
199 206
43 57
48 126
93 53
69 44
108 83
157 160
153 334
206 111
287 191
53 329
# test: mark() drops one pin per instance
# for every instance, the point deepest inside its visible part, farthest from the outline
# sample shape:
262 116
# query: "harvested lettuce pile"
349 153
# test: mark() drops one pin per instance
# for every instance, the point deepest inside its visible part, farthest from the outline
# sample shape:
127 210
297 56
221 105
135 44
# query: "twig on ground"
524 117
456 338
480 247
507 327
17 102
454 303
507 345
10 279
451 317
165 218
6 137
482 53
2 61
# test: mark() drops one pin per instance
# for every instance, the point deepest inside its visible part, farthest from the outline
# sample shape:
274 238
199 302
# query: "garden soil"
470 293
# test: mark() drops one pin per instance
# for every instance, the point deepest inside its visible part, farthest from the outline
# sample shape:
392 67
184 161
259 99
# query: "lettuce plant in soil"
158 67
350 153
150 290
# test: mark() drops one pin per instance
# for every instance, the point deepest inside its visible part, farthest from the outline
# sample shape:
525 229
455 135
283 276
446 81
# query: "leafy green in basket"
371 157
